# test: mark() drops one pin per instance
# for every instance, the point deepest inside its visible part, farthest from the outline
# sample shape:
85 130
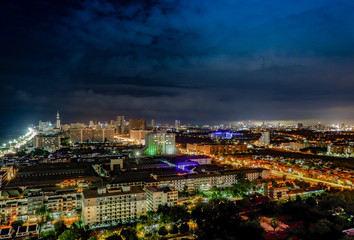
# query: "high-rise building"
265 138
92 135
138 135
120 124
137 124
50 143
160 143
77 125
45 126
177 125
152 123
57 125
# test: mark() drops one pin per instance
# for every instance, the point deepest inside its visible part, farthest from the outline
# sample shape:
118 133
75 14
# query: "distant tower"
58 121
120 124
177 125
152 123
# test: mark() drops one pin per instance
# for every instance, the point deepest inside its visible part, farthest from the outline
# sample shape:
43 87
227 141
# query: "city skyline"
177 119
4 135
212 62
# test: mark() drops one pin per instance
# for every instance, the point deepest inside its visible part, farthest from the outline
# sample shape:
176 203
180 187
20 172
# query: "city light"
177 120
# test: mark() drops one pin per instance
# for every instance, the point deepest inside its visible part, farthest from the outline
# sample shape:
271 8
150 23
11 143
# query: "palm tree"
44 212
274 223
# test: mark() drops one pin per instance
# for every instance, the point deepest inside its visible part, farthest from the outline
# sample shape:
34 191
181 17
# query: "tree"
249 230
114 237
69 235
43 212
39 152
173 213
185 191
129 233
17 224
274 223
174 229
184 228
163 231
289 185
60 227
79 229
311 202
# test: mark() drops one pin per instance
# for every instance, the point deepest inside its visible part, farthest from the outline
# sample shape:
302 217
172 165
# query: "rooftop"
92 193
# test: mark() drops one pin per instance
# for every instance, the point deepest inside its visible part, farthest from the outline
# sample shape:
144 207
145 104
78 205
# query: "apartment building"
156 196
122 205
61 204
208 149
204 181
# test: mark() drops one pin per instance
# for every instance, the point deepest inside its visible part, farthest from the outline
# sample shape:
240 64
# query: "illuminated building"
92 135
279 192
265 138
298 145
340 149
45 126
156 196
57 125
186 165
208 149
219 179
77 125
160 143
138 135
177 125
120 124
125 204
223 134
65 127
49 143
22 207
137 124
102 135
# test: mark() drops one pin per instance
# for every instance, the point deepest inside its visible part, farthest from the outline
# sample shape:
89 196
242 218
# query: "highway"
312 180
17 144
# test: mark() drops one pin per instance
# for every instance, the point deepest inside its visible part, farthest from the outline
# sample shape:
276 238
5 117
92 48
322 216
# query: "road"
312 180
28 137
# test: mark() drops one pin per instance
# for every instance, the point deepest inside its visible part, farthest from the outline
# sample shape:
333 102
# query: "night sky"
199 61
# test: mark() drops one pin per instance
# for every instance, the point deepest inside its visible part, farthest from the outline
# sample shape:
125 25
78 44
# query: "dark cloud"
196 61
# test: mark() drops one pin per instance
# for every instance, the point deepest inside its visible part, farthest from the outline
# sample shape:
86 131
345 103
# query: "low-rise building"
156 196
279 192
209 149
